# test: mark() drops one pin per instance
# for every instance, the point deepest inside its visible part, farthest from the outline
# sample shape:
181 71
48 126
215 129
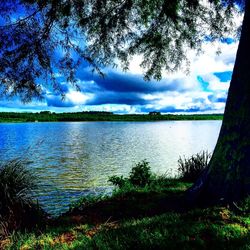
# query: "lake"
76 158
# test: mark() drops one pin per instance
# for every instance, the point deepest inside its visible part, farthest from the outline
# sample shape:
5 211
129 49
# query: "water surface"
76 158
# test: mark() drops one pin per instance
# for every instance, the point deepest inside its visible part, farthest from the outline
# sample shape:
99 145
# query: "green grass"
145 211
189 169
17 208
141 218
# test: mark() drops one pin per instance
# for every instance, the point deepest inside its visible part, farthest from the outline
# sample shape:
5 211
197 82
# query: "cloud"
71 99
118 81
203 90
173 109
218 97
110 97
16 105
210 82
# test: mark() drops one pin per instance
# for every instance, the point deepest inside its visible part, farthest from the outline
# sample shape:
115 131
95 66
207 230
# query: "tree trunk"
228 174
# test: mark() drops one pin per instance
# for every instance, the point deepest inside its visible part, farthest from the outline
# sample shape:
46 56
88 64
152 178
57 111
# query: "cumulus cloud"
71 99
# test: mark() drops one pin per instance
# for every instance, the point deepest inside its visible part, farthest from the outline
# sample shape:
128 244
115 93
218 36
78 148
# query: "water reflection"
77 158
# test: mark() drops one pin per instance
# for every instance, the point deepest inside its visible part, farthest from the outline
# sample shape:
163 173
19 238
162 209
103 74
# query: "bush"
190 169
139 176
117 181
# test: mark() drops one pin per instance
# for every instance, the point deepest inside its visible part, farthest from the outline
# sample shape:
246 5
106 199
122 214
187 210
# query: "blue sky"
203 90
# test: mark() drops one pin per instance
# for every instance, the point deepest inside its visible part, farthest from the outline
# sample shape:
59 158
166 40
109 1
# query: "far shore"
47 116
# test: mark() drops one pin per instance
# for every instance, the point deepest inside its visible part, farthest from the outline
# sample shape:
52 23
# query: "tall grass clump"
189 169
17 209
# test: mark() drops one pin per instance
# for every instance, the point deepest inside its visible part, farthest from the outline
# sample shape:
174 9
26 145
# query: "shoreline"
11 117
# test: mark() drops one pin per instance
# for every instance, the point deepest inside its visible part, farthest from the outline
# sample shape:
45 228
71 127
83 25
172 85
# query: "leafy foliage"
139 176
190 168
117 181
97 33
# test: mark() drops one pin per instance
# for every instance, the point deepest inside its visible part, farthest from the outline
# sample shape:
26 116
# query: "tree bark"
227 177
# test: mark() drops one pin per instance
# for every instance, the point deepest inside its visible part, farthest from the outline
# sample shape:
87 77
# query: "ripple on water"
74 159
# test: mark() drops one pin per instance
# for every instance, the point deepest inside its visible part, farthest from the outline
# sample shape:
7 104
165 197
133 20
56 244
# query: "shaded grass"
133 202
141 218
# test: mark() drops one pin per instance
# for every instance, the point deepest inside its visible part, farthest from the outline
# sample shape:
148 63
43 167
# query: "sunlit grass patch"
141 179
150 216
194 229
53 238
173 231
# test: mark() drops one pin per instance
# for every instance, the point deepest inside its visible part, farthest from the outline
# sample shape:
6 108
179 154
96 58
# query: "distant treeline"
46 116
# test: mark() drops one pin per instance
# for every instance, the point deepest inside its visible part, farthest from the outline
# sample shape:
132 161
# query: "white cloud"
204 65
77 97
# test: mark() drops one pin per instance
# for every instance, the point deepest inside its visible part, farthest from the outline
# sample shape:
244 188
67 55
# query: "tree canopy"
39 39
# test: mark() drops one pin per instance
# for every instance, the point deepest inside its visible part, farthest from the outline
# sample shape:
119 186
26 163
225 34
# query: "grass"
154 215
211 228
190 168
17 208
141 218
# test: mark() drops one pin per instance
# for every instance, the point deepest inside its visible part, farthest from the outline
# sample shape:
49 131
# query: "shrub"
117 180
189 169
139 176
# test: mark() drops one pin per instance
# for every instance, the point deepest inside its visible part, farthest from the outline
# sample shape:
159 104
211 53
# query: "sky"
203 90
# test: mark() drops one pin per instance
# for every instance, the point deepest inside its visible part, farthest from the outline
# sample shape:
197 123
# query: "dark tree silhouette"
39 39
228 176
